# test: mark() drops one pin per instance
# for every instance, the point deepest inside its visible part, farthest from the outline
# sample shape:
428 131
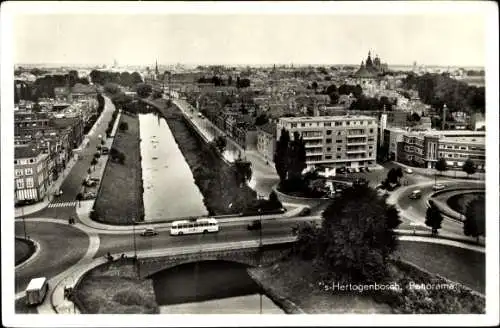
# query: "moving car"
409 171
105 150
58 193
254 225
415 194
36 291
305 211
438 186
149 232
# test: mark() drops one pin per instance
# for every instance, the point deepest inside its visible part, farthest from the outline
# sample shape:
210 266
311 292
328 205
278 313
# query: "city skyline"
434 39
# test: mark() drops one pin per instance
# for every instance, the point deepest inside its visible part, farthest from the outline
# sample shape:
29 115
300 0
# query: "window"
31 160
328 132
20 183
328 140
15 161
369 154
339 140
302 124
339 133
328 124
338 123
347 123
28 171
339 149
370 147
29 183
450 155
294 125
19 172
328 149
339 157
371 130
328 157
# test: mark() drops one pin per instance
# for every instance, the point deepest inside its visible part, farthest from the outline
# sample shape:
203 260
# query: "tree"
399 173
144 90
281 155
469 167
136 78
314 85
296 157
474 224
433 217
220 143
441 166
261 119
274 202
356 237
392 215
243 171
415 117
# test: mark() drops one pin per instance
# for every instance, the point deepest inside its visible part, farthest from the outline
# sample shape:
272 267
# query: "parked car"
105 150
367 169
361 169
149 232
254 225
438 186
58 193
89 195
341 170
409 171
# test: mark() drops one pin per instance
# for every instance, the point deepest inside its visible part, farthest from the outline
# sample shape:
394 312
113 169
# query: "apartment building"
335 141
30 173
425 148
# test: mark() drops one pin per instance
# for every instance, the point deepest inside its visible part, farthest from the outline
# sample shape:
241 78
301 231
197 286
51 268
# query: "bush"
123 126
93 215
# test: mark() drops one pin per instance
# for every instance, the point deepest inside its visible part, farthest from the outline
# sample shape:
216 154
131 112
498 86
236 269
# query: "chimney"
444 117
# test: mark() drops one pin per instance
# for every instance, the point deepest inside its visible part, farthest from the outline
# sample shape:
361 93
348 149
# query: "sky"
447 39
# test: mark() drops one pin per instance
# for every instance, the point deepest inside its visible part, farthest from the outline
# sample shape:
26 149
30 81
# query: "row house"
31 177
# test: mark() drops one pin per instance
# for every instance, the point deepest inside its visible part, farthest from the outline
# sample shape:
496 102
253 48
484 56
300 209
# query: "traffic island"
24 249
115 288
299 282
120 194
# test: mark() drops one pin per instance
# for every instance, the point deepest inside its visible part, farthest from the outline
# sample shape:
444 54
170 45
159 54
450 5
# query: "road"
62 245
73 182
416 208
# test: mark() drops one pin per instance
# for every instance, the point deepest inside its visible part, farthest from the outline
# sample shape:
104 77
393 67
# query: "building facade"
31 177
266 140
335 141
424 149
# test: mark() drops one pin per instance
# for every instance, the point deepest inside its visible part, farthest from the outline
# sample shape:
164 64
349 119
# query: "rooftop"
26 151
327 118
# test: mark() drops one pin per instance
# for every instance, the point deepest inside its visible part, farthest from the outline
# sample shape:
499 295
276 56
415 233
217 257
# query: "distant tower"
115 63
157 72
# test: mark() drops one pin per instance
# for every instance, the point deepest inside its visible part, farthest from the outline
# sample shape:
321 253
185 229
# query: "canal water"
210 287
169 187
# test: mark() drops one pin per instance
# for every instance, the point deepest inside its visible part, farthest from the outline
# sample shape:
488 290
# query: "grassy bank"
298 281
120 195
459 202
23 250
214 177
114 288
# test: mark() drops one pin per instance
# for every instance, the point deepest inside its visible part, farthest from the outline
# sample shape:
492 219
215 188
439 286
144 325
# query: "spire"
156 68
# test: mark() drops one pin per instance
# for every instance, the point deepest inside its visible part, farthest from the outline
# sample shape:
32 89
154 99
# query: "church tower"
157 72
369 60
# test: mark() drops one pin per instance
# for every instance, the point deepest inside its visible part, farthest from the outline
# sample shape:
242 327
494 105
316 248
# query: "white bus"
201 225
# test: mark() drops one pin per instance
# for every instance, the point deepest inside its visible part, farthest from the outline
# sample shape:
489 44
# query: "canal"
169 187
210 287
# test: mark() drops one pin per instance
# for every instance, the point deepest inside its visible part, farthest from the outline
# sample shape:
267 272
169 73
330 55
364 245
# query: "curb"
32 257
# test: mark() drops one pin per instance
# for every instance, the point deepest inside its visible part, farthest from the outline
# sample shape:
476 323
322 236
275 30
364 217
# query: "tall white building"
335 141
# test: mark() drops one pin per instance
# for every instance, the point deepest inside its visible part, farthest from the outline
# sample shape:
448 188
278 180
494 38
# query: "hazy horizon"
454 39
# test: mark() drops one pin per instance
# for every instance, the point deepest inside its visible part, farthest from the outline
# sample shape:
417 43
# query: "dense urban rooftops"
327 118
